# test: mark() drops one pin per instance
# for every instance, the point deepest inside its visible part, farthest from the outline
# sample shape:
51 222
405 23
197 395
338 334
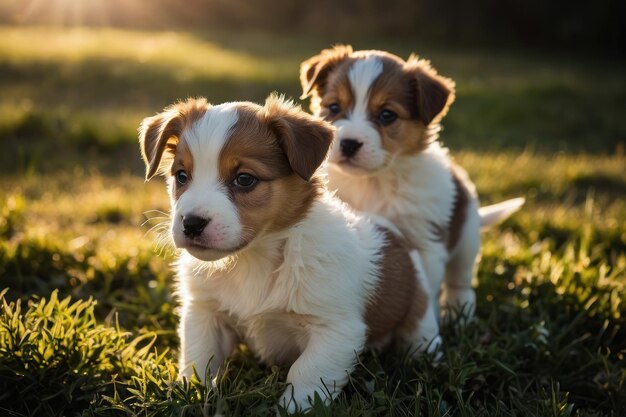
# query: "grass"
87 323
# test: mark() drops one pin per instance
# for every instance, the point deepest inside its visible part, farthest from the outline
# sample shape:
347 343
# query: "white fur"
206 196
296 297
494 213
362 75
415 192
357 125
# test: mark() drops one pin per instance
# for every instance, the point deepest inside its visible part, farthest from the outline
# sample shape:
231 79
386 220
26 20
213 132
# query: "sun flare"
82 12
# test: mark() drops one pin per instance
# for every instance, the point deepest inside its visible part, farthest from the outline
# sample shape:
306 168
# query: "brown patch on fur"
161 133
399 301
404 138
304 139
435 93
464 192
393 91
329 72
183 160
313 71
459 213
450 234
407 135
339 92
263 143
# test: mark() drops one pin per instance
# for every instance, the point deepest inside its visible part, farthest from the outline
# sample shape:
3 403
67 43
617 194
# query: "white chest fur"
415 193
275 292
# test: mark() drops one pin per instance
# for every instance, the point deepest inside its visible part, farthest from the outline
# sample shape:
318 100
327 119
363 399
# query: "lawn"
87 323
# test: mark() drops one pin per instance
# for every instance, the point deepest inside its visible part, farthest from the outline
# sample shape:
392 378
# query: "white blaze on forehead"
207 137
206 195
362 75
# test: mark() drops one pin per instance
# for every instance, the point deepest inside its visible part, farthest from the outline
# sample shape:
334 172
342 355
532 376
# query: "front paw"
289 402
295 400
207 376
300 399
459 305
185 372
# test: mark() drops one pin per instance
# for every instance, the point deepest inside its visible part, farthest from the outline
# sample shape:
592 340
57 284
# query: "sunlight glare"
83 12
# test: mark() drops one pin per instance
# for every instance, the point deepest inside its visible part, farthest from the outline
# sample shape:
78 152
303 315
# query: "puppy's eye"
387 117
181 177
245 181
334 109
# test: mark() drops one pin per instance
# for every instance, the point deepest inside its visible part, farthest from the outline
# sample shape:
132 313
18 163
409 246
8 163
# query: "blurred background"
565 24
530 74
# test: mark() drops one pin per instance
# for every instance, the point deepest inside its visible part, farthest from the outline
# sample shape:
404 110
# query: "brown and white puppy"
269 257
386 160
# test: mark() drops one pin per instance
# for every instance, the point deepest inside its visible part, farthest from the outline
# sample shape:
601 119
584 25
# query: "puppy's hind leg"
421 332
457 295
425 336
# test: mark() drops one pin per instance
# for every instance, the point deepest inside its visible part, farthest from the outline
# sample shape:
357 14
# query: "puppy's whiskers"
151 218
161 230
158 227
156 211
207 269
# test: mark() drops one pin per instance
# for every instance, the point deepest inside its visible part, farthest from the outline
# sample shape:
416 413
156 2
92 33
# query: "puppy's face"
236 171
383 107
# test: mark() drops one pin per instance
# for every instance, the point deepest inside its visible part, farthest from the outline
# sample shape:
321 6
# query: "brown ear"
435 93
162 132
304 139
313 71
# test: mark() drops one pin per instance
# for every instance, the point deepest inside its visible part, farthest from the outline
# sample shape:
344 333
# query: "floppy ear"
304 139
434 93
313 71
162 132
155 133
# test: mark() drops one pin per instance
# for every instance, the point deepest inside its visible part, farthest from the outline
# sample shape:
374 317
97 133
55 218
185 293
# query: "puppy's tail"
495 213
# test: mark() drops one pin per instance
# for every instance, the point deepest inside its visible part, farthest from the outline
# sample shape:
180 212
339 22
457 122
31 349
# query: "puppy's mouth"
352 167
355 167
349 164
206 252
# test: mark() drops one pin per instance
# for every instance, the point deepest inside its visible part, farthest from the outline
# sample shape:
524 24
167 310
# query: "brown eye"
334 109
245 181
387 117
181 177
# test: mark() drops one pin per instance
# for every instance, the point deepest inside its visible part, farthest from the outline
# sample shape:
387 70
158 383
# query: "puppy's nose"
194 225
349 147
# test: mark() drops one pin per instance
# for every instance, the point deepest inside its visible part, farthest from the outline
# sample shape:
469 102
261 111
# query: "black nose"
349 147
194 225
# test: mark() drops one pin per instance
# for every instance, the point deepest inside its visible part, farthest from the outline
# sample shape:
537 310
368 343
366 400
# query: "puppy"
386 160
272 259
